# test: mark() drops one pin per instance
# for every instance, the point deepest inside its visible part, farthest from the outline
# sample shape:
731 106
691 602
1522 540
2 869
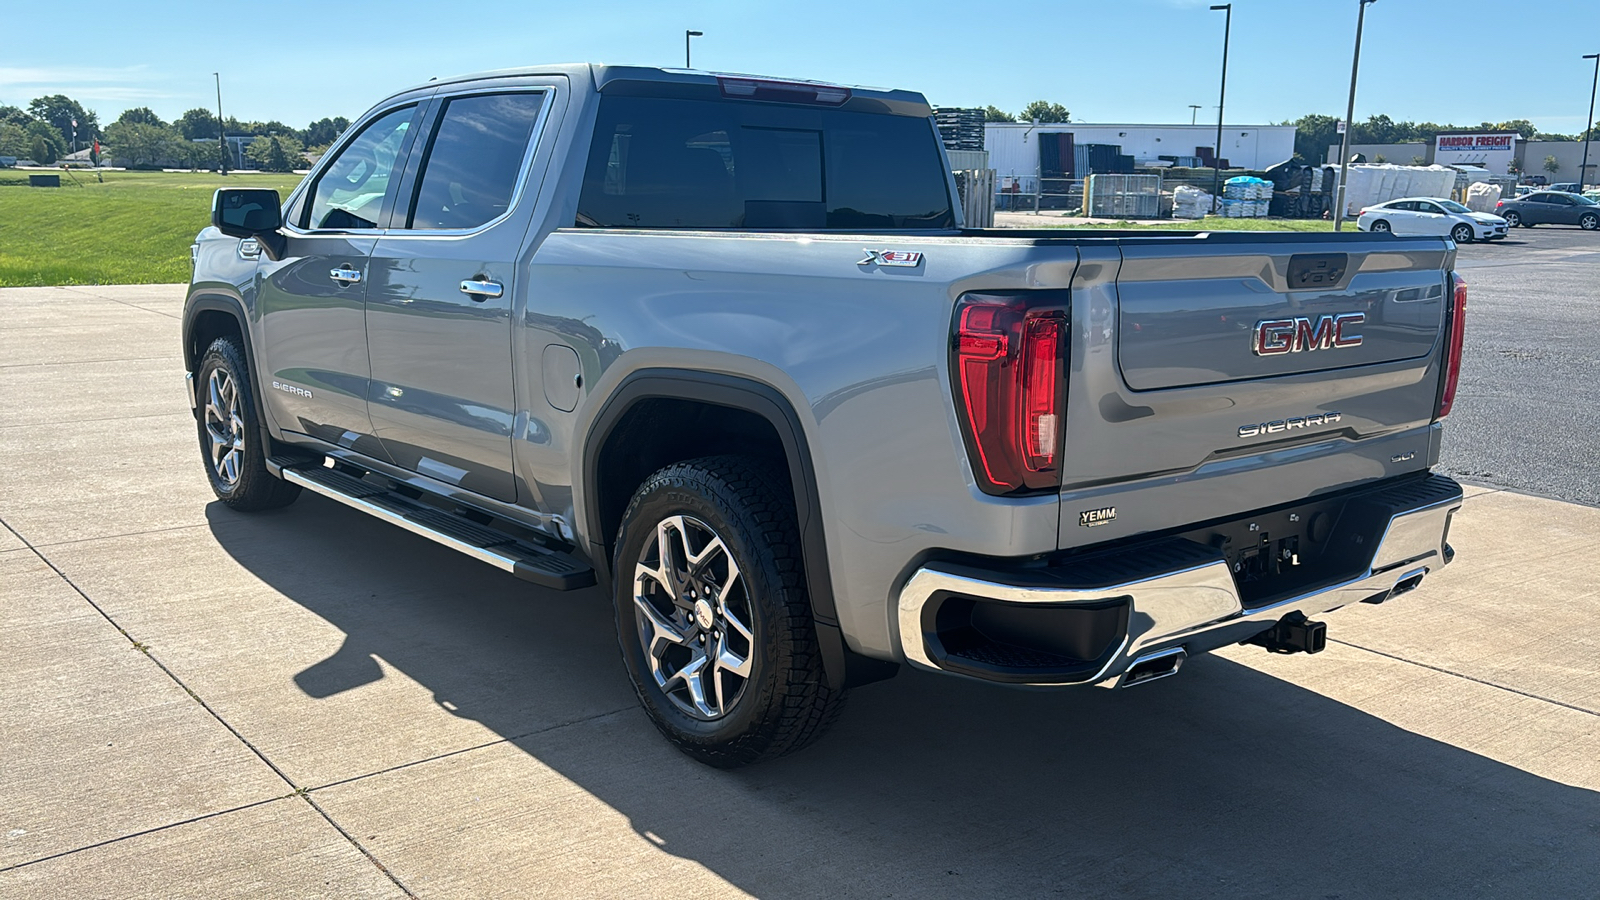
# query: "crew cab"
722 346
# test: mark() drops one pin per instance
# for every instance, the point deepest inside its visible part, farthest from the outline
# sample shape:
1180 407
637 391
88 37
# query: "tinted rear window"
676 163
474 160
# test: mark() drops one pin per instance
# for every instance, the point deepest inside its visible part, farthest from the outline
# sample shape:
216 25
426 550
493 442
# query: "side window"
349 192
1403 205
474 160
1429 208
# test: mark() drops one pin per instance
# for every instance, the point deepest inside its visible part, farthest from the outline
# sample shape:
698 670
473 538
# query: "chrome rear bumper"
1195 607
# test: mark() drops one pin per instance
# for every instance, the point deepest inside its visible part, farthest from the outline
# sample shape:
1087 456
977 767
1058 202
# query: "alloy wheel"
1462 234
694 618
1380 227
1589 223
224 426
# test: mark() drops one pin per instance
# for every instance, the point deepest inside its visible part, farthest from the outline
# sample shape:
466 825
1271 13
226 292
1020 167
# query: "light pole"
1589 127
1216 156
1349 114
1194 112
686 36
222 133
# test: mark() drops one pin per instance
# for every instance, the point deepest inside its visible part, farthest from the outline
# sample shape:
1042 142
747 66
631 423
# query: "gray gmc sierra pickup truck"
721 345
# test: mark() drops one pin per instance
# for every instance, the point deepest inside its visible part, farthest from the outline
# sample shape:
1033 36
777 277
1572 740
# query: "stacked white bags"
1376 184
1246 197
1191 202
1482 196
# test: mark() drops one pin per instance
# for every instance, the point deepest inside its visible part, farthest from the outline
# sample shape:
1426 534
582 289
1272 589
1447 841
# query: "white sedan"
1432 215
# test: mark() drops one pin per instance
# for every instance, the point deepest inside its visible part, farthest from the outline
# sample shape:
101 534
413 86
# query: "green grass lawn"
135 228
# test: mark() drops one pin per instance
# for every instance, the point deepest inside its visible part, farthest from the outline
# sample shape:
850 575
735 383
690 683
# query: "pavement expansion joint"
76 290
143 648
186 415
143 832
86 362
1443 671
510 739
125 534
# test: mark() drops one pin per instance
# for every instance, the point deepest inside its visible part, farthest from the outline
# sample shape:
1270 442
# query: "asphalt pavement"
311 703
1530 371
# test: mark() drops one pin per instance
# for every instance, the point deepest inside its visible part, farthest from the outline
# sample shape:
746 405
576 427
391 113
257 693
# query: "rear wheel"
1589 221
1513 218
1380 227
230 433
712 614
1462 234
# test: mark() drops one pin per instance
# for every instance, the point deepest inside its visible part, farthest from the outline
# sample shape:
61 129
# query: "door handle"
345 275
481 290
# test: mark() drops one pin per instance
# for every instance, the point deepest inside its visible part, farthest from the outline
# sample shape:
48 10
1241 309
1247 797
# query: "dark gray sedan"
1550 208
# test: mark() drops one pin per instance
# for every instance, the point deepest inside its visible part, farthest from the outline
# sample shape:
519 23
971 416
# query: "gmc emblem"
1275 336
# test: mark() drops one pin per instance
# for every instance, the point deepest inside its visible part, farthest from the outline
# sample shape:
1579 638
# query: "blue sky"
1106 60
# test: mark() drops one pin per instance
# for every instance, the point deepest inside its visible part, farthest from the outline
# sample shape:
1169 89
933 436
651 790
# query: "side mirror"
250 213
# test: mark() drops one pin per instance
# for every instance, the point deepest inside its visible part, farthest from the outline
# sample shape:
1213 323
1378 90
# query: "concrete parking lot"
310 703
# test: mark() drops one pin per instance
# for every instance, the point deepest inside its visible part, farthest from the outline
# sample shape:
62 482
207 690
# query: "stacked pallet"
960 129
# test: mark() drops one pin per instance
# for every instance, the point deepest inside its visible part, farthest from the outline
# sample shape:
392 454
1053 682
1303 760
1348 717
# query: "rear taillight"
1007 362
1499 203
1453 343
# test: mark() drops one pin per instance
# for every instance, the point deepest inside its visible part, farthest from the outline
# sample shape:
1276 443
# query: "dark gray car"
1550 208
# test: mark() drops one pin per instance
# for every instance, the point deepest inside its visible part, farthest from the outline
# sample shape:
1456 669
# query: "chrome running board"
523 558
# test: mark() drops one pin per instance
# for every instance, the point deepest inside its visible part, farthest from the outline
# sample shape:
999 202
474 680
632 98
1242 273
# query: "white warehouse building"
1014 147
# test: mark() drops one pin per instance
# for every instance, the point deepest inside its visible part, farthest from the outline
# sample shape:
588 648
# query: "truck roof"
601 74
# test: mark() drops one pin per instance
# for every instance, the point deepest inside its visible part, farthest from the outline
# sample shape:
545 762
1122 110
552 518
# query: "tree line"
140 139
1314 134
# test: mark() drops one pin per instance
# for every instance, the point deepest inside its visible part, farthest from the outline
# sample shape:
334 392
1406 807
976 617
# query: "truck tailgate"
1191 320
1219 374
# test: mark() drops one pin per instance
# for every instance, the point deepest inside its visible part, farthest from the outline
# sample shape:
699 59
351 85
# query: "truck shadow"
1223 781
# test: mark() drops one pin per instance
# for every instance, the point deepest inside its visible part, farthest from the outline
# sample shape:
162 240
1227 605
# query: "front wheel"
1589 222
230 433
712 614
1461 234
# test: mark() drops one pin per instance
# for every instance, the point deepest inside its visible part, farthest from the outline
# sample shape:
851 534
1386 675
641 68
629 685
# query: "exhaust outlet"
1293 633
1404 586
1154 666
1407 585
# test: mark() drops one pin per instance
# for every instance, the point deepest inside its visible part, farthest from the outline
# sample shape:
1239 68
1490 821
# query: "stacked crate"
960 129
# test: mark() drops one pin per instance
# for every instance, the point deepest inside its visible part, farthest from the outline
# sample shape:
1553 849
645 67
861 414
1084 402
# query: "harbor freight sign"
1493 150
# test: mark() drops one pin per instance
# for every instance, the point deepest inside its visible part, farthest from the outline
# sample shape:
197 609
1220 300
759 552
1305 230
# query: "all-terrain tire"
785 703
230 429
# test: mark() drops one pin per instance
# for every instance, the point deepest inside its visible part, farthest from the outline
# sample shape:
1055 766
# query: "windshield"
1583 201
1452 206
681 163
